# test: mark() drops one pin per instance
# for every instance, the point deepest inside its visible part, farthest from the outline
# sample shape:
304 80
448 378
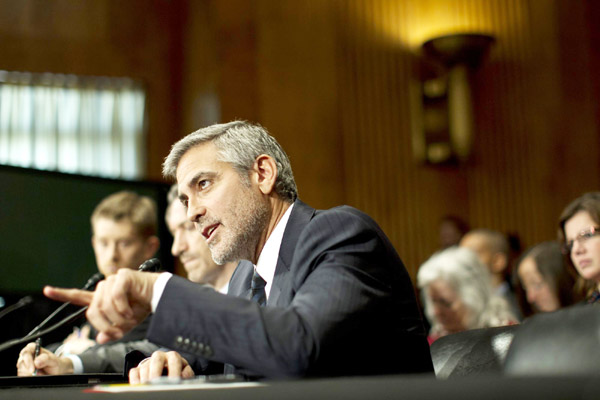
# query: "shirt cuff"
159 288
77 364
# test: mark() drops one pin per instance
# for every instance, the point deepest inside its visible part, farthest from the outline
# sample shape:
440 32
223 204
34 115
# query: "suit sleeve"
111 357
343 311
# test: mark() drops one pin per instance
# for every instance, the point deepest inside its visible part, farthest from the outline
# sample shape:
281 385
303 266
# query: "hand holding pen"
35 360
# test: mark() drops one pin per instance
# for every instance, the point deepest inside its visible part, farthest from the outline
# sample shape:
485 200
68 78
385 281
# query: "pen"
38 344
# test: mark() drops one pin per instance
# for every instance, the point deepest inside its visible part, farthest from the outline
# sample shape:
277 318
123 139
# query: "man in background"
124 227
493 250
189 246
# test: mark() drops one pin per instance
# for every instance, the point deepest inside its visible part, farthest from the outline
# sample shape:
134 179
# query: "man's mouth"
208 231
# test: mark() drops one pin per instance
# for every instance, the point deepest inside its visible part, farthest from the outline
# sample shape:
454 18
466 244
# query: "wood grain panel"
521 95
332 79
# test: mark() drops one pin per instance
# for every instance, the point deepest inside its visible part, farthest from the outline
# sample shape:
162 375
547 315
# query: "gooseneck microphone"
89 285
24 301
151 265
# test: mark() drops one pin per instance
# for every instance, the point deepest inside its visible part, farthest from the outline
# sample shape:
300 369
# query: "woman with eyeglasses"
542 282
579 233
458 295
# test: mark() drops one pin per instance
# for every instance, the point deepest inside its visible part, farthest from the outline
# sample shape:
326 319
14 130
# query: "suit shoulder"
346 215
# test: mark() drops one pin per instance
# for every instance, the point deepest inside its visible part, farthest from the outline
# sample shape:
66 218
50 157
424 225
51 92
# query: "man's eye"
203 184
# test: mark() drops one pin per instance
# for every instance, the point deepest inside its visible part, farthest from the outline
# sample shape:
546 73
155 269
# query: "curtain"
74 124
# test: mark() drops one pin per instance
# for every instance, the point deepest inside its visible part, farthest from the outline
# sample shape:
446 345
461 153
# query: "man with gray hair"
318 293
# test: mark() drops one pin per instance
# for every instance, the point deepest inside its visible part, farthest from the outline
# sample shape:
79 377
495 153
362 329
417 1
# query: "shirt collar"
224 289
267 261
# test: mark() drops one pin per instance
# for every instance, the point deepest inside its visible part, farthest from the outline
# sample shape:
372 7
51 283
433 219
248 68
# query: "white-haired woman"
458 295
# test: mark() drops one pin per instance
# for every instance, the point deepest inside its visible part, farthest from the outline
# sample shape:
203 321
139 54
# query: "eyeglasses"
582 237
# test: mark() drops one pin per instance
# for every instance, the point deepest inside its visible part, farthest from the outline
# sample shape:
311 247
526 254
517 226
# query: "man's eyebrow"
195 179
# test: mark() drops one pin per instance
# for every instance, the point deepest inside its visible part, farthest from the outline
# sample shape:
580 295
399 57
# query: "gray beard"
247 234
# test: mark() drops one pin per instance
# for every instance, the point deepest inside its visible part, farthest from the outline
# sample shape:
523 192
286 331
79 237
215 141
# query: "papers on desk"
168 384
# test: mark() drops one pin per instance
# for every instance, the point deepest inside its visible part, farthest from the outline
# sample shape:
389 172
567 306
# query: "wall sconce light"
443 126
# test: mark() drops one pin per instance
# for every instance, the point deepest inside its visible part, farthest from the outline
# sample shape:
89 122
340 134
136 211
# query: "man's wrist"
65 365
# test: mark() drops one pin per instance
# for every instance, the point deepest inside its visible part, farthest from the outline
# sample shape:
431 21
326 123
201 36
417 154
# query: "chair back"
474 352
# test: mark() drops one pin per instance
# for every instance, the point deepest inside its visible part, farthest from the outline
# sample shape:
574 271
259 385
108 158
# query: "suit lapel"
300 216
239 284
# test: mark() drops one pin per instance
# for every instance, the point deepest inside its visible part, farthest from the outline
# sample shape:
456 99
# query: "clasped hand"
119 303
152 367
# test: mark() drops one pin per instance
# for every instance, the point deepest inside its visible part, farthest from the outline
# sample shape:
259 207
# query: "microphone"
93 281
19 304
90 284
151 265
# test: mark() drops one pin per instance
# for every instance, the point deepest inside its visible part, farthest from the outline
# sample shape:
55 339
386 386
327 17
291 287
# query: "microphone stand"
151 265
91 283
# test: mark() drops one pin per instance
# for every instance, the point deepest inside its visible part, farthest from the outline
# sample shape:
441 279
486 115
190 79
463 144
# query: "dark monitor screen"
45 231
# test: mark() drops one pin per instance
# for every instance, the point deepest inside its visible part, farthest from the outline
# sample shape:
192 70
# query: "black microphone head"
94 279
151 265
25 301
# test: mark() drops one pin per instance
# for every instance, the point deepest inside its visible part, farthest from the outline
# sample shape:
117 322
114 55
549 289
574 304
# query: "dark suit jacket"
341 303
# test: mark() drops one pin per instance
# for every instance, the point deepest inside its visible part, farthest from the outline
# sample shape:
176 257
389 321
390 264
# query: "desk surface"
370 388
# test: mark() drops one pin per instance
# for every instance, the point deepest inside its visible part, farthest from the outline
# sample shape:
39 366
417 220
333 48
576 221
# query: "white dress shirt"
267 261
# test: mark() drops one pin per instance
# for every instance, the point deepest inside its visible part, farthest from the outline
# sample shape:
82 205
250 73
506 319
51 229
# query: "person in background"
493 250
579 233
451 230
458 295
542 281
124 227
189 246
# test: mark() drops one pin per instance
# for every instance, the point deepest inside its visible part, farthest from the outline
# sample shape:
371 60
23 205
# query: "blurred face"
539 292
189 246
117 245
478 244
448 309
585 253
449 234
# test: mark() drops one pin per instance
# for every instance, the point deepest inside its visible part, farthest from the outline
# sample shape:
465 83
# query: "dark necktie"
257 288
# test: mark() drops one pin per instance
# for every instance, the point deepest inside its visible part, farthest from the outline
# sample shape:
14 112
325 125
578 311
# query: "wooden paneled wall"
535 120
332 79
140 39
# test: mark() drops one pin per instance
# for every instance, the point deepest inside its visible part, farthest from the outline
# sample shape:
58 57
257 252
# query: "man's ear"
265 173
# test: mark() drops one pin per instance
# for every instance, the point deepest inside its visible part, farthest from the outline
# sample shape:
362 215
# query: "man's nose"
114 251
178 246
195 211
